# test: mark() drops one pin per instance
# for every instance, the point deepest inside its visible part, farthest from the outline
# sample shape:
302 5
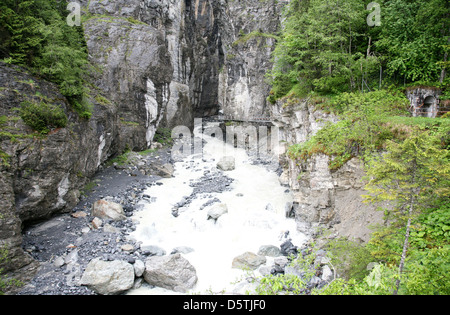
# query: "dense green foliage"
330 54
360 131
35 34
42 117
329 46
412 174
412 38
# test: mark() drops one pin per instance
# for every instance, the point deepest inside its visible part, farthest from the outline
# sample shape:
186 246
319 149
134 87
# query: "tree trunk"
369 47
381 75
443 72
405 250
408 225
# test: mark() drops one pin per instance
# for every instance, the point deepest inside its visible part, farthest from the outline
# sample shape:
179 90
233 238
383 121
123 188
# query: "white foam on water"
250 222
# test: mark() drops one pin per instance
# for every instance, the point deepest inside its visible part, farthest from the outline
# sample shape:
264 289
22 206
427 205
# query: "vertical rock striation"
249 38
322 198
154 63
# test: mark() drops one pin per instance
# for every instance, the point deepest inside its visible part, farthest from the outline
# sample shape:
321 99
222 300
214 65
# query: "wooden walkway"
250 119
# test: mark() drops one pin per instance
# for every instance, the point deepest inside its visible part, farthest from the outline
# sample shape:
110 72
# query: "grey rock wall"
249 40
154 63
42 175
323 199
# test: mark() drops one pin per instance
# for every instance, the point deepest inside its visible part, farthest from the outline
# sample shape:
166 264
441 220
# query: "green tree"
328 46
20 31
325 47
35 34
412 37
410 175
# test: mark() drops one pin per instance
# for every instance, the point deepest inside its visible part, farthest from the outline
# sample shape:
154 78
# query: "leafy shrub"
349 258
82 107
43 117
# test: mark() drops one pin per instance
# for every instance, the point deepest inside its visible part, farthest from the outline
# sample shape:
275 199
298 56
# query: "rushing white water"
256 216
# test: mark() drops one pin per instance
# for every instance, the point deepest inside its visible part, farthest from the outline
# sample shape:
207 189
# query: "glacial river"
256 216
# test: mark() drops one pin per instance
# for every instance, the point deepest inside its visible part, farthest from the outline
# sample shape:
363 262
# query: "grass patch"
102 100
164 136
89 187
121 159
148 152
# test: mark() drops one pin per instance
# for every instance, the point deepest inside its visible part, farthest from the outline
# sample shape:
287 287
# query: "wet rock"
287 249
164 170
59 262
217 211
294 270
280 264
152 250
182 250
79 214
108 210
108 278
139 268
170 272
327 274
127 248
314 282
97 223
227 163
248 260
269 250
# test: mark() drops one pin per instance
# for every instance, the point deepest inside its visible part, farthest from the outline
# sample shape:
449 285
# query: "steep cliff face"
41 175
249 40
160 63
323 198
154 63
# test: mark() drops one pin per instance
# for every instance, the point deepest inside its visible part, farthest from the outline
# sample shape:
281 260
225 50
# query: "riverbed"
257 206
172 215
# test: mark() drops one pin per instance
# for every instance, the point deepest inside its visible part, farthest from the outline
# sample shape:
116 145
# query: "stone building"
424 101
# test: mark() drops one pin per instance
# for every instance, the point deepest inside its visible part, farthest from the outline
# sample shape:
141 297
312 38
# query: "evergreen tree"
410 175
329 47
37 36
20 30
413 36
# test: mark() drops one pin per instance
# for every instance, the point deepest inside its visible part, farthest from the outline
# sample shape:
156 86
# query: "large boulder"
227 163
216 211
108 210
108 277
163 170
248 260
172 272
269 250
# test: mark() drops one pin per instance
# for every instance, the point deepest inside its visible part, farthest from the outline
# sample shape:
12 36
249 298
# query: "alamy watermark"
259 140
374 18
74 17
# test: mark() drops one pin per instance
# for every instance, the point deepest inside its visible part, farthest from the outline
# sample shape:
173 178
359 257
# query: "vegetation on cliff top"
329 53
35 34
331 47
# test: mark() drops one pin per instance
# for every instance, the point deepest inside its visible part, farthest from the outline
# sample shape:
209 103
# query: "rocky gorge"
155 64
